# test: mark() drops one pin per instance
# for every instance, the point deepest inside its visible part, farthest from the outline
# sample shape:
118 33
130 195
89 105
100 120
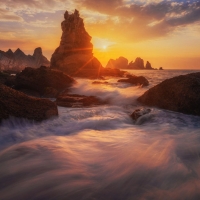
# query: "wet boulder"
140 112
44 81
75 100
17 104
135 80
180 94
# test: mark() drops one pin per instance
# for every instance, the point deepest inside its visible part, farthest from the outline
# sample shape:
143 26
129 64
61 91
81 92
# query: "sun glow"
104 47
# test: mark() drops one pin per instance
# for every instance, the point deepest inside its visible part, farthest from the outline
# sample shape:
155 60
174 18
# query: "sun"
104 47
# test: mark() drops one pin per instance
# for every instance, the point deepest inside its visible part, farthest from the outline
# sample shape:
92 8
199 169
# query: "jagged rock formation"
180 94
18 60
148 65
43 81
74 55
120 63
138 64
17 104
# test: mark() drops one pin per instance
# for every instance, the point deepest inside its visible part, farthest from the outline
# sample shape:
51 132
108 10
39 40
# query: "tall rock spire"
74 55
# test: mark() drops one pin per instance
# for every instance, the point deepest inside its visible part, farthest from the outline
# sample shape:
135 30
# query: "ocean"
100 153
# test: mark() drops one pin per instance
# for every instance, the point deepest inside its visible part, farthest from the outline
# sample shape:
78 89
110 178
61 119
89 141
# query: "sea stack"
74 55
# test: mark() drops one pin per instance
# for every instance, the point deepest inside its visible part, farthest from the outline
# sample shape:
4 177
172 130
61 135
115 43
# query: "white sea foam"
100 152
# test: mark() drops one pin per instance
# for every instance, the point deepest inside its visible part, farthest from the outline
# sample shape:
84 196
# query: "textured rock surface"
120 63
74 55
17 104
75 100
18 60
140 112
180 94
135 80
45 81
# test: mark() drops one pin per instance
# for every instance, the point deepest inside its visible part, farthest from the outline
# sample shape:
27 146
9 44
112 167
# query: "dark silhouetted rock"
40 60
45 81
17 104
140 112
160 68
74 55
138 64
180 94
111 72
148 65
7 79
135 80
75 100
17 61
120 63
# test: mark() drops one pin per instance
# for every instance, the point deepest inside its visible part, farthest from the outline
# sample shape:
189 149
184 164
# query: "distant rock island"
74 55
122 63
18 60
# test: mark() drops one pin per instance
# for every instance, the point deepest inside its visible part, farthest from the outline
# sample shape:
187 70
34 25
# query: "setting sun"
99 99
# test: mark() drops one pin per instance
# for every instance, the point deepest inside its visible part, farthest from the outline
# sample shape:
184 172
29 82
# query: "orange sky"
166 33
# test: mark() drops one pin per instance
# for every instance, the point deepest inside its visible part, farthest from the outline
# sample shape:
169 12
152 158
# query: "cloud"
127 20
138 20
6 15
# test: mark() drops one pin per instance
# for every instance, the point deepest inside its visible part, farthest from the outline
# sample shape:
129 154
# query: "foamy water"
100 152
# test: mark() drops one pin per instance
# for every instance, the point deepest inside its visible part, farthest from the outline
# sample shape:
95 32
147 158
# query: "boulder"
75 100
7 79
140 112
46 82
17 104
180 94
120 63
135 80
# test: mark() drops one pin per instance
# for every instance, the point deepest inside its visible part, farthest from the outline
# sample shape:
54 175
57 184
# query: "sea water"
100 153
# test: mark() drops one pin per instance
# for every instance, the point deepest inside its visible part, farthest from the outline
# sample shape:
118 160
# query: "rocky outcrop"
160 68
74 55
44 81
119 63
75 100
135 80
138 64
7 79
18 60
40 60
148 65
180 94
17 104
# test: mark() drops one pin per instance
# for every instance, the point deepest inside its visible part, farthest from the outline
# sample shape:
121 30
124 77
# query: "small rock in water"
100 82
135 80
75 100
140 112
